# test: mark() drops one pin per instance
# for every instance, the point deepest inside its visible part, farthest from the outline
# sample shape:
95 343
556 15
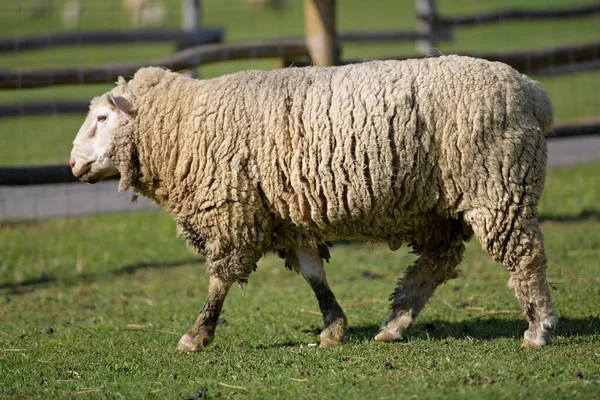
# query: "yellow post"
320 33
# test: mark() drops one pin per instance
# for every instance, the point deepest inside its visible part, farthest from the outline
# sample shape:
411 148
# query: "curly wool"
384 151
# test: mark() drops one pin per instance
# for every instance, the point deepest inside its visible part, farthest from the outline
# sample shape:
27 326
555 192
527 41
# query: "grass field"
47 139
95 306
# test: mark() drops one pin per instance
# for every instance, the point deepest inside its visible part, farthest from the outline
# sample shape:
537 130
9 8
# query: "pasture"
93 307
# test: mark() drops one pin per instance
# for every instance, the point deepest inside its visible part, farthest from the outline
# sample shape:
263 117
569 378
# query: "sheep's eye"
101 118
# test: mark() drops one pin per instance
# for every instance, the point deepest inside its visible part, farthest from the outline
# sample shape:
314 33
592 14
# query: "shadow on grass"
584 215
45 280
482 328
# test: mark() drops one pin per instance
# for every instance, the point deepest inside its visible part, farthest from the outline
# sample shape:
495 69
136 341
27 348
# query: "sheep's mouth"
83 171
88 177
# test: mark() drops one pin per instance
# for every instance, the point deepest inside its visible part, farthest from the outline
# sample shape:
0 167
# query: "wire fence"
56 55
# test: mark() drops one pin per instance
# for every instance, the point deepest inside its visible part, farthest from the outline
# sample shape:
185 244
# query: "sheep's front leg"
310 265
203 330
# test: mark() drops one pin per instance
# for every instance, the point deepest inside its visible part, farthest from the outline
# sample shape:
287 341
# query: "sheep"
40 8
71 13
153 15
145 12
135 8
429 152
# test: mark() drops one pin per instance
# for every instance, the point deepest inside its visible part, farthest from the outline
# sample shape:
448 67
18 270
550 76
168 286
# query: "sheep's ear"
121 103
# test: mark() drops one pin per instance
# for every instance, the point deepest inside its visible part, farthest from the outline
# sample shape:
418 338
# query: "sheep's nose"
72 163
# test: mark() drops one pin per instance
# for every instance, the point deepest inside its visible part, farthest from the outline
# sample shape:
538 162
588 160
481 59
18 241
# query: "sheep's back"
361 149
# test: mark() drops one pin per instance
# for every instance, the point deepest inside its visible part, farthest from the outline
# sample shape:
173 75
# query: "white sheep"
71 13
425 151
145 12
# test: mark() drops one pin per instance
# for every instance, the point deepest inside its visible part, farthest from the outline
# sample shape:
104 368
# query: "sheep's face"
89 160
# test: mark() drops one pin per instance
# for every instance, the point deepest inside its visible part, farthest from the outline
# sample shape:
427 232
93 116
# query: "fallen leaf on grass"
89 390
491 312
147 328
577 382
310 312
233 387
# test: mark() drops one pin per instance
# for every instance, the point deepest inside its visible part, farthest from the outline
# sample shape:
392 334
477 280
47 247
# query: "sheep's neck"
168 153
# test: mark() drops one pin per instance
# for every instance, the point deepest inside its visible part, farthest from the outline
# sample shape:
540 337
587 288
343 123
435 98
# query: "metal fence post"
426 21
191 21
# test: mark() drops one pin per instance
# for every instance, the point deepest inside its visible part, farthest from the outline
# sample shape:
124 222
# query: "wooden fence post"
191 21
426 25
320 32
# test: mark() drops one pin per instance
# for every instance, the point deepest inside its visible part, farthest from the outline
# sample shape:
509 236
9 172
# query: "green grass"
98 304
95 306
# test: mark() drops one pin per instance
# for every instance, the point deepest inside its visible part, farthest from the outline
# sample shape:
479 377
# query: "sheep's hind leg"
518 243
310 266
203 330
434 267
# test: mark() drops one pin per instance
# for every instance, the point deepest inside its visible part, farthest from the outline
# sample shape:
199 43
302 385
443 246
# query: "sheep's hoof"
334 335
536 337
189 343
527 344
386 336
328 341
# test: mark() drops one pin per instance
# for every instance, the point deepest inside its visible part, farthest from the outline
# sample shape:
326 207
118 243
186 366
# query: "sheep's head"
91 155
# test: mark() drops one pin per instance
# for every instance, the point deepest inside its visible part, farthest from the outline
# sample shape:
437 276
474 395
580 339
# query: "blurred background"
57 54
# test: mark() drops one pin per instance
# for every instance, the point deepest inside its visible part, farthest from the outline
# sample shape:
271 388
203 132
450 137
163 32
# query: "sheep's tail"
542 106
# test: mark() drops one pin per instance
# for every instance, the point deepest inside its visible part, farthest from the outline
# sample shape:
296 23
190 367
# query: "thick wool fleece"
384 151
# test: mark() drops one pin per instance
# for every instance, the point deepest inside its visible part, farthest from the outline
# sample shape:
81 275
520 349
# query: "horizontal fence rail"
19 176
185 59
50 40
524 61
532 61
44 108
517 14
557 60
392 36
566 131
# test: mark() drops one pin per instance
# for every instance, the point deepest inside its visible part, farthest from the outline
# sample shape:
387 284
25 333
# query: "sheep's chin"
90 178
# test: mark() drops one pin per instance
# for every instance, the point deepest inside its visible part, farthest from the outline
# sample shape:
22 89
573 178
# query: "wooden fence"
562 59
81 38
320 24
